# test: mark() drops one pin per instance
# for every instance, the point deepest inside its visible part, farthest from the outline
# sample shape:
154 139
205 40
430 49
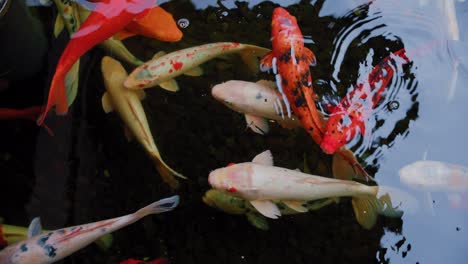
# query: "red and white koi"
352 113
261 184
56 245
164 67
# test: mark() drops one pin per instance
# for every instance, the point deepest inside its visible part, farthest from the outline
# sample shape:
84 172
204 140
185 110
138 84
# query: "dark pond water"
88 171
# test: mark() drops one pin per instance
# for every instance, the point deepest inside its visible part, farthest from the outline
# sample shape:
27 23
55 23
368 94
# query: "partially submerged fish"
261 183
350 116
137 261
30 113
106 19
164 67
429 175
157 24
127 104
234 205
259 102
10 234
56 245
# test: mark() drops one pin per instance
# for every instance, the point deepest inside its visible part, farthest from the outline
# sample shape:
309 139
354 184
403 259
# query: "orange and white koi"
351 114
164 67
107 18
290 62
261 184
56 245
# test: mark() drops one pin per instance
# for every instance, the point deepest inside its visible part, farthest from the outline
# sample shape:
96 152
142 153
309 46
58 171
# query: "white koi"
432 175
56 245
164 67
257 101
261 184
127 104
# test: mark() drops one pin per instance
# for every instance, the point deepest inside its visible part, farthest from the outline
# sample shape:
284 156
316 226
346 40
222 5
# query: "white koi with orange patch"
164 67
56 245
261 183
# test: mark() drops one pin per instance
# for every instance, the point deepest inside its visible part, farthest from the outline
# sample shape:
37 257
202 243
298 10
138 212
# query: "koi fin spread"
266 208
161 206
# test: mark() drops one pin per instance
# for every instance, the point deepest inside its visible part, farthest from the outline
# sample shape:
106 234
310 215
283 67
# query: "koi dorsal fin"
35 227
264 158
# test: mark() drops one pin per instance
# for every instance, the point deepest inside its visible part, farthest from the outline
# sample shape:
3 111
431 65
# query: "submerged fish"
56 245
352 113
106 19
30 113
136 261
234 205
127 104
261 183
164 67
259 102
432 175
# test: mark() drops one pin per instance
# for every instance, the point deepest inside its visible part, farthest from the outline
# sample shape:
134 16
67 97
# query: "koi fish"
351 114
10 234
260 183
56 245
136 261
164 67
30 113
431 175
157 24
290 62
259 102
234 205
107 18
127 104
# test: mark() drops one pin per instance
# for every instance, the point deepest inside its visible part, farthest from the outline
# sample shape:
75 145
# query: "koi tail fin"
56 97
251 54
167 173
161 206
367 208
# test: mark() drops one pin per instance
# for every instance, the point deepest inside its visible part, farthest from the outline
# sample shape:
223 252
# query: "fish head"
429 175
235 179
232 94
284 30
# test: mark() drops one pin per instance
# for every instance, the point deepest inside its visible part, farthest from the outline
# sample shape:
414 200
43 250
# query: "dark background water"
89 172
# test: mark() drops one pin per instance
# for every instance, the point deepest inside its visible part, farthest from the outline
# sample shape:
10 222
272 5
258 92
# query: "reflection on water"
89 172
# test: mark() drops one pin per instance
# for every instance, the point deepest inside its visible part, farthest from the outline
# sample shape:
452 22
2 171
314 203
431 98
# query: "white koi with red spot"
162 69
56 245
261 183
127 104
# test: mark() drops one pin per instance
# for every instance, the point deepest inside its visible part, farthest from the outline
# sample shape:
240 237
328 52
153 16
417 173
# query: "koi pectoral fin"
258 124
266 208
310 57
296 206
170 85
35 227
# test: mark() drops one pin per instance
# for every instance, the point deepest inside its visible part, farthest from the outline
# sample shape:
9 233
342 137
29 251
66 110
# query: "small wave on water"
429 33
